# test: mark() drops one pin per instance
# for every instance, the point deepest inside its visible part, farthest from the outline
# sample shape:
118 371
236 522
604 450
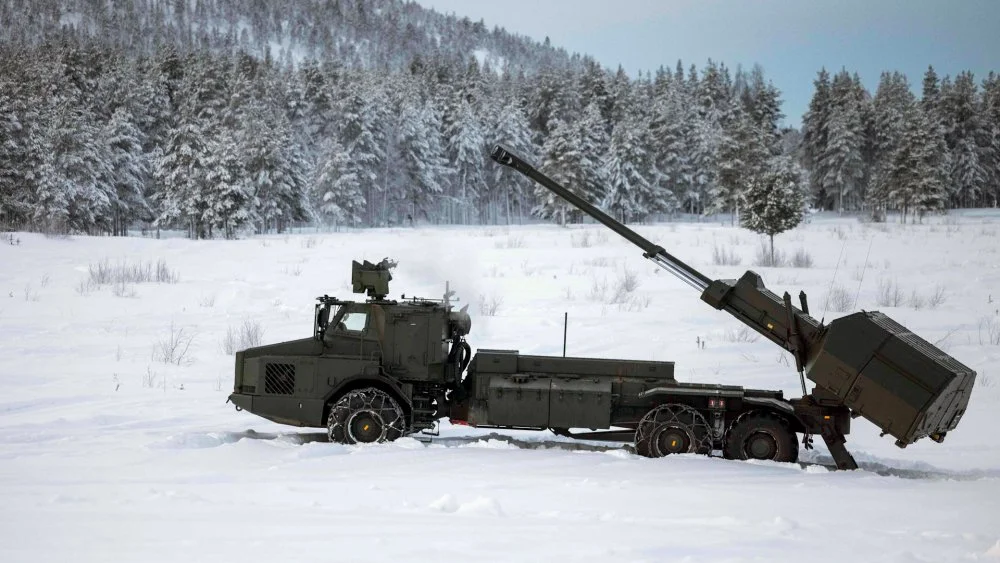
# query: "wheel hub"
761 445
366 427
673 440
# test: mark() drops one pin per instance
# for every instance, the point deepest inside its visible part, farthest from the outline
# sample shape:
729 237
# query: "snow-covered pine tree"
966 141
362 132
227 198
73 191
275 171
991 129
423 163
512 129
340 200
593 142
892 101
627 168
914 180
761 101
743 155
129 171
774 200
815 134
466 147
842 161
20 153
571 156
181 176
671 130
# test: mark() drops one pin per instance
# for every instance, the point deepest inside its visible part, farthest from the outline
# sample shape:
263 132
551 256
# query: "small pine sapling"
774 201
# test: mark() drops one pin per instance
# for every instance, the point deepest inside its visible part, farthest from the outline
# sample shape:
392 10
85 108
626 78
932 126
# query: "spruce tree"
128 170
743 156
629 189
966 141
336 185
842 161
815 135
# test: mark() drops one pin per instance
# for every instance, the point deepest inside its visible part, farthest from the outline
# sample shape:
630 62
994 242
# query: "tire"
761 435
365 416
671 429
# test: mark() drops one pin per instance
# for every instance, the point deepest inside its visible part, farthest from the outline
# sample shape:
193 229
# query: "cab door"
411 343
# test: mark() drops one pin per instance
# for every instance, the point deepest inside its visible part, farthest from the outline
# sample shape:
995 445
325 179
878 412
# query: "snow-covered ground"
109 454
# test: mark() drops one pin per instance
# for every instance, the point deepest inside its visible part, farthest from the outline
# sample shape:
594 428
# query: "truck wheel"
761 435
673 429
365 416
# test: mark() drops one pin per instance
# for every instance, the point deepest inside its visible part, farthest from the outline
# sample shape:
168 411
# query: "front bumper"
242 401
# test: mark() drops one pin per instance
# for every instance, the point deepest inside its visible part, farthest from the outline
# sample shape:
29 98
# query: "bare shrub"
599 262
916 300
801 259
149 378
84 287
986 381
248 334
989 331
598 289
635 303
936 298
765 258
742 334
310 242
725 256
121 289
838 299
29 293
106 273
207 300
890 294
164 274
488 306
295 271
510 242
173 348
580 240
44 281
628 281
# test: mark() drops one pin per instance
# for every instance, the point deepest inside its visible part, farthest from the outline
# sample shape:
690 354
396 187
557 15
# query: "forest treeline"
222 117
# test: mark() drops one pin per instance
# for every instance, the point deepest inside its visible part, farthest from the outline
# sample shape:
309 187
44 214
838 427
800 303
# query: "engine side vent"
279 379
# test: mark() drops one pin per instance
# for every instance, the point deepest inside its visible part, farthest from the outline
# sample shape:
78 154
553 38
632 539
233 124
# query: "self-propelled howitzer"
865 361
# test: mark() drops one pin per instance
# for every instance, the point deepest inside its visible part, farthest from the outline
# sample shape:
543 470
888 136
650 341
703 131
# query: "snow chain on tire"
681 419
375 405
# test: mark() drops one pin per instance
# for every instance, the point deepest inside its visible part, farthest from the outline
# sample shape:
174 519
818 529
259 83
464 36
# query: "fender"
379 380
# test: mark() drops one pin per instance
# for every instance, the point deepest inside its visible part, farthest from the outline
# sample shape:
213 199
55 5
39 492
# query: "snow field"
108 453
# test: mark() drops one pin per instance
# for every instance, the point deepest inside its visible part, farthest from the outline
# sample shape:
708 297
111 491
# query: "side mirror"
322 320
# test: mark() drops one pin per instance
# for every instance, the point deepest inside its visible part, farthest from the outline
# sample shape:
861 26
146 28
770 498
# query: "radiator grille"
279 379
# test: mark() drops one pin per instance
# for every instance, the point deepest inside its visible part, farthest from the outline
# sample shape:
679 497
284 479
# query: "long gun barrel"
865 361
656 253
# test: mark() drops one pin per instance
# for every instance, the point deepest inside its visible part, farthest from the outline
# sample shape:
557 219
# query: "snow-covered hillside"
107 453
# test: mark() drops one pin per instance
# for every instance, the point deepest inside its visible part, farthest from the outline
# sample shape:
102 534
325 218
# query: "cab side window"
355 322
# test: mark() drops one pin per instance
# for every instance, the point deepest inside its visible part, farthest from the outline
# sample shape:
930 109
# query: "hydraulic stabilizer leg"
835 441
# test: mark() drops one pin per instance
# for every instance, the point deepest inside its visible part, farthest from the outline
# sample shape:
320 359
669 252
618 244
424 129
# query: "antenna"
826 305
863 270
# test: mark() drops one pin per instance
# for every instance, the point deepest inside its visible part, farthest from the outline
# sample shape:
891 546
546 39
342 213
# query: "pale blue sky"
791 39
